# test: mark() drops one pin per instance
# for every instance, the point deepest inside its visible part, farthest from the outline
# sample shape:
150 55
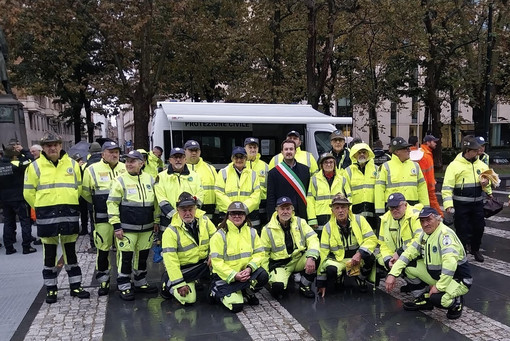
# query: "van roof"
246 113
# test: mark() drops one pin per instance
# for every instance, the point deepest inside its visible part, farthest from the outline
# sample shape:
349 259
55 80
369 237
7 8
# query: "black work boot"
420 303
80 293
51 295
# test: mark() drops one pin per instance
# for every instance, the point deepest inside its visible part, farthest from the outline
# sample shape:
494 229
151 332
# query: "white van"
218 127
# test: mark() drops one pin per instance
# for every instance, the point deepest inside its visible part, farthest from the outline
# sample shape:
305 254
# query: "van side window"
322 141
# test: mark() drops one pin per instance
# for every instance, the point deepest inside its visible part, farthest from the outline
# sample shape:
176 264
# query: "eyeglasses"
237 214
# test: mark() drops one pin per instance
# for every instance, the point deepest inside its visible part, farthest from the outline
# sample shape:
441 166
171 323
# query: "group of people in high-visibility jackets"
252 224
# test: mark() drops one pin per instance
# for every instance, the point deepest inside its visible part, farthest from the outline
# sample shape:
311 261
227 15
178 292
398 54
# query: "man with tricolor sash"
289 178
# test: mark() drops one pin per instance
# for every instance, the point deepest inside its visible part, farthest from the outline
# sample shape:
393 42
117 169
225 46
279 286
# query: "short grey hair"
36 147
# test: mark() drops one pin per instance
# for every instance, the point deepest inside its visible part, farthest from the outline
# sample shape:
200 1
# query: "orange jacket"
427 167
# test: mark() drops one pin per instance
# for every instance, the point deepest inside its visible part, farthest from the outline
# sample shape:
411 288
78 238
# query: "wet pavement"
342 315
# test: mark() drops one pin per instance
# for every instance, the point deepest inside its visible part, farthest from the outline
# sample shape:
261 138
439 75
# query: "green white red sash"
293 179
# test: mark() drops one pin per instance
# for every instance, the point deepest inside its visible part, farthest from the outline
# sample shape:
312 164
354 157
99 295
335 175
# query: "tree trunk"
311 56
77 123
141 111
374 125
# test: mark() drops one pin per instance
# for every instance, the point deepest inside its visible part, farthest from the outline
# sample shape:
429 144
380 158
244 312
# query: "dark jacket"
278 186
343 159
11 180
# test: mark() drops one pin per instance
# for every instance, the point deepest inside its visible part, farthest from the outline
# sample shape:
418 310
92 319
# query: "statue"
3 62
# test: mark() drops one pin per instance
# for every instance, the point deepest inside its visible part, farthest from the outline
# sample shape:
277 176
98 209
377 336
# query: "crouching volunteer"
347 246
134 213
446 270
186 250
291 246
236 257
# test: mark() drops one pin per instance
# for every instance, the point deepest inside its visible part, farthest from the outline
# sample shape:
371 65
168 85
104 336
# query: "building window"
494 113
344 107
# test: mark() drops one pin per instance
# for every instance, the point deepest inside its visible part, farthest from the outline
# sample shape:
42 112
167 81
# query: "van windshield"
322 141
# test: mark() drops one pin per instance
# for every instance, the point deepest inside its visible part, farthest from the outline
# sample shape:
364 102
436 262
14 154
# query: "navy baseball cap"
249 140
295 133
135 154
109 145
427 211
395 199
238 150
176 150
429 138
481 141
283 201
191 144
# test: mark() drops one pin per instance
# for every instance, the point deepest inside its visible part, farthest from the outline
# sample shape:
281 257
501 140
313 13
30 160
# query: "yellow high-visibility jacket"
403 177
181 249
54 192
169 185
320 195
232 187
208 178
442 253
132 204
396 235
334 245
461 182
273 240
261 168
97 180
234 250
153 164
361 185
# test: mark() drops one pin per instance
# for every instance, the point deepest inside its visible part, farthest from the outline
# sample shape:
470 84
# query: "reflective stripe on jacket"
234 250
332 243
361 188
261 168
273 239
132 203
208 178
169 185
320 195
395 235
54 192
232 187
461 182
403 177
97 180
181 249
443 254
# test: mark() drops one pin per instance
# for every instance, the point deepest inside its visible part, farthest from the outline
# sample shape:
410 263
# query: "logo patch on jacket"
70 170
434 248
413 171
190 178
447 240
148 186
478 171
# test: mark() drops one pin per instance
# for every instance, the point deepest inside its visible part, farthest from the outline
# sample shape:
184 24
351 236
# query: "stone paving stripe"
271 321
492 264
497 232
471 324
71 318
